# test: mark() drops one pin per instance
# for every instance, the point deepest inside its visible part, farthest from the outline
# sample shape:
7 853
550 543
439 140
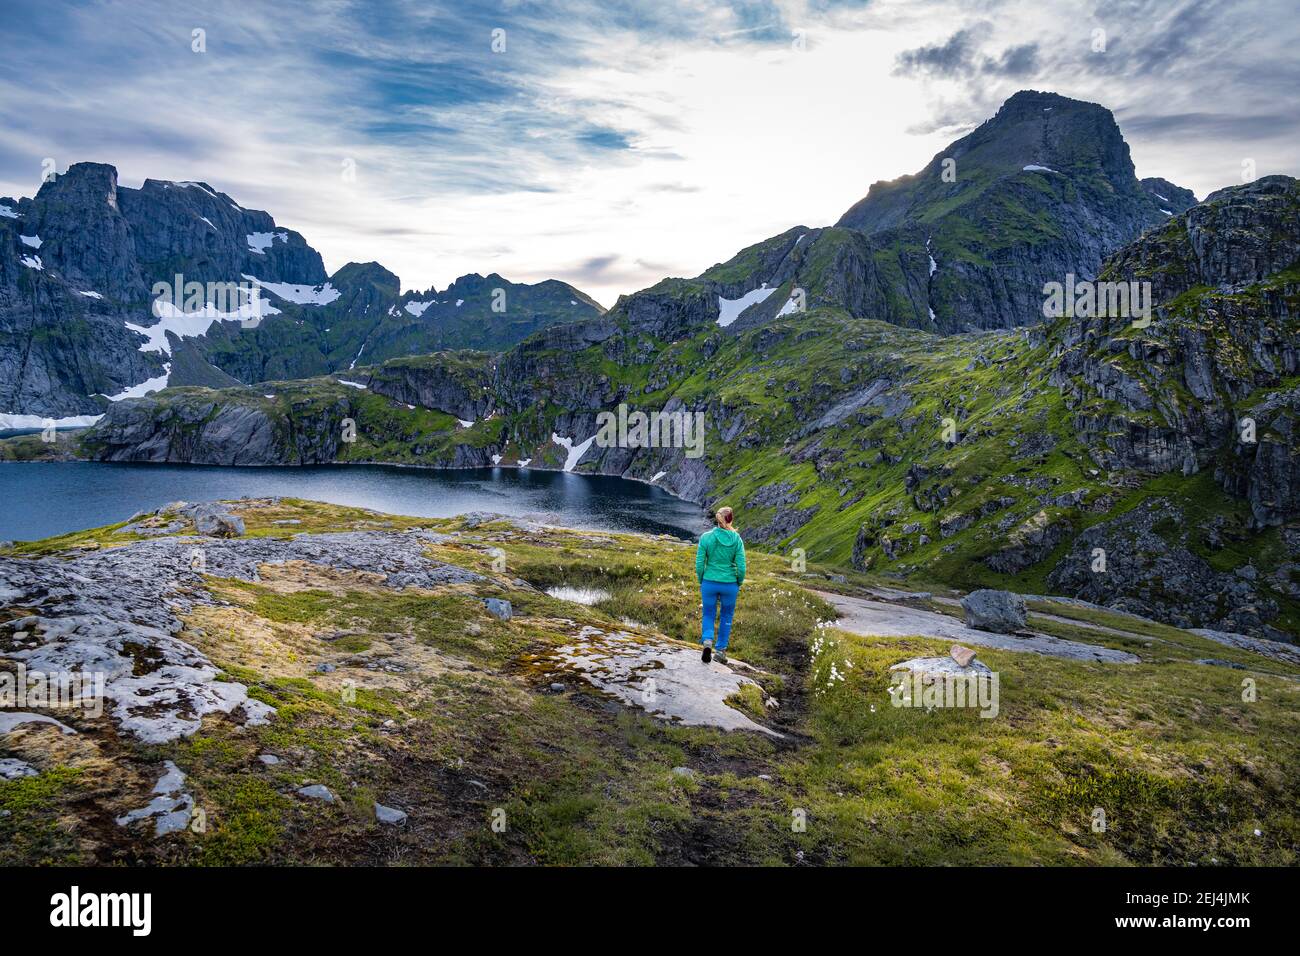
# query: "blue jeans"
714 593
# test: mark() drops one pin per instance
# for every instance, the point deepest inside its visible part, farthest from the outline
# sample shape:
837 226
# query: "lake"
39 499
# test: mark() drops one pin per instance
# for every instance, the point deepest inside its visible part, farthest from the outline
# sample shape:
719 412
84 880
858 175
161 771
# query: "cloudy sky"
610 144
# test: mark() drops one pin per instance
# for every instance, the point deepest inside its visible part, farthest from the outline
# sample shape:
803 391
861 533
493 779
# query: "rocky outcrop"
302 424
216 520
1238 236
458 383
197 426
1266 471
670 310
999 611
1173 198
103 612
1029 543
784 523
1142 562
1171 395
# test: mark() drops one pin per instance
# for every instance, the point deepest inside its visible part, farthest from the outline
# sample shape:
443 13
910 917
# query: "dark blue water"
39 499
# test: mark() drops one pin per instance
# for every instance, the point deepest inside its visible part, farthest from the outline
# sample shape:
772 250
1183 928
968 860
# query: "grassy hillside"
460 720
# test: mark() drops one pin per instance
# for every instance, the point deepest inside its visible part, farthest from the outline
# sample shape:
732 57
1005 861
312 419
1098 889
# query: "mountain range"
80 324
885 393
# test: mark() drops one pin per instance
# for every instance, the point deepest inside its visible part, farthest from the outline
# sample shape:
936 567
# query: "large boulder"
216 521
499 608
998 611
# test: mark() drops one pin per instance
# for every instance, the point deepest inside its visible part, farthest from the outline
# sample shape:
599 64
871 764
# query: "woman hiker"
720 569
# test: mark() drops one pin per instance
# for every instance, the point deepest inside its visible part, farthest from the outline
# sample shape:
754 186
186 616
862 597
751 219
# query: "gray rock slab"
665 680
878 619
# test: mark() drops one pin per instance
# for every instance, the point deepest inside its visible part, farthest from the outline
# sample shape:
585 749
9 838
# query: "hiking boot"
708 652
720 657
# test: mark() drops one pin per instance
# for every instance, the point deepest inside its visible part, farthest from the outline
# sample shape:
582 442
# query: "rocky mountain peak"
356 274
92 183
1043 189
1032 132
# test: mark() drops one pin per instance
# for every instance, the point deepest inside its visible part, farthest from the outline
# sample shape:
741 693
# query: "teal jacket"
720 557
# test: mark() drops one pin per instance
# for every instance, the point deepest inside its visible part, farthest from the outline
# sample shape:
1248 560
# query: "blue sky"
610 144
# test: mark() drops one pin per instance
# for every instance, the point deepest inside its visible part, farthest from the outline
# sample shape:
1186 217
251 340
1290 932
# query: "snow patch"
417 308
259 242
729 309
149 385
32 241
1040 169
657 476
39 421
496 459
465 424
1166 212
190 324
344 381
32 262
322 294
459 303
90 295
200 187
208 221
575 451
7 212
